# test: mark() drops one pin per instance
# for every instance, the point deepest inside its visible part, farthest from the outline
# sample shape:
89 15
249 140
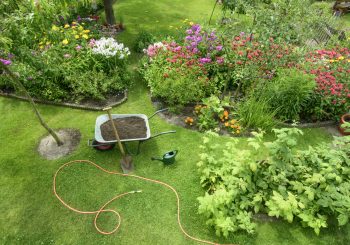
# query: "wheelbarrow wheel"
98 147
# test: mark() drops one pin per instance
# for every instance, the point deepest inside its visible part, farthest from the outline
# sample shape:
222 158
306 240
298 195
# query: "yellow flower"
41 47
191 23
85 36
48 43
55 28
74 23
86 31
349 60
66 26
65 41
331 61
77 36
73 27
80 28
41 43
340 57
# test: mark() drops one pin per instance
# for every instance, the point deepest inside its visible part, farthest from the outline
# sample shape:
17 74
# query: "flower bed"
70 62
281 78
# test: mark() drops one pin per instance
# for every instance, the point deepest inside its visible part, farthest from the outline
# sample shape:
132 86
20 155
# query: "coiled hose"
102 209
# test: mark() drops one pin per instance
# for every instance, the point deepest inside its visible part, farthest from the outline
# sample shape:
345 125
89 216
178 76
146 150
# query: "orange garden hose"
102 209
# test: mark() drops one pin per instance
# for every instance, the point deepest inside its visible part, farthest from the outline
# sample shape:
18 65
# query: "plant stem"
17 82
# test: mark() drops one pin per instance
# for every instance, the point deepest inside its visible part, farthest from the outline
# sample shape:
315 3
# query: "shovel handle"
115 130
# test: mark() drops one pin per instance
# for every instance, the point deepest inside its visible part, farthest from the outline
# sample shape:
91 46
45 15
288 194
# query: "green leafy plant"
308 186
142 40
254 113
288 93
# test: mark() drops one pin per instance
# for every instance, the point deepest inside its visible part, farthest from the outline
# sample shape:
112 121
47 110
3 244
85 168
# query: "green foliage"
142 40
209 114
254 114
306 185
175 83
288 93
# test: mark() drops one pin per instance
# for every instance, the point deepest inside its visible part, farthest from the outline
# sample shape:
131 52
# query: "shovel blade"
126 164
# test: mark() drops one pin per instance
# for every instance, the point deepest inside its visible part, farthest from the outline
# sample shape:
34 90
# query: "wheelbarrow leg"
138 148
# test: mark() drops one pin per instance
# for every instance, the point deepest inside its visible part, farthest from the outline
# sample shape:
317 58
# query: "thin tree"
18 83
108 5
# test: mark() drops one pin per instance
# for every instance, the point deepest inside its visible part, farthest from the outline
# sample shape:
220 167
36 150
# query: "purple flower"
5 62
196 28
219 48
78 18
189 31
78 47
178 48
193 44
195 50
242 33
204 60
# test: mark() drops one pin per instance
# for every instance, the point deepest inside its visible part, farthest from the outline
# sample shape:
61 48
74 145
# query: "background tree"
110 18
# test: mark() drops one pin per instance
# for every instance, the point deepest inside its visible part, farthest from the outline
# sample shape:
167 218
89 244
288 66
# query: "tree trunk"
108 5
17 82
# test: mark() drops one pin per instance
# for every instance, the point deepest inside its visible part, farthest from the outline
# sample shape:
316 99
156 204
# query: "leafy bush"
288 93
143 40
255 114
306 185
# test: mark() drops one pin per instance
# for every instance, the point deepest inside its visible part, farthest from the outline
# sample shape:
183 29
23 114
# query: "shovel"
126 161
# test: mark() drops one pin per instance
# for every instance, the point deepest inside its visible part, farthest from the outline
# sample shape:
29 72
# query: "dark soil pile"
128 128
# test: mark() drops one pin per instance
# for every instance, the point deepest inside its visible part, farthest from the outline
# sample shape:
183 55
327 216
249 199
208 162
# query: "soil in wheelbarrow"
128 128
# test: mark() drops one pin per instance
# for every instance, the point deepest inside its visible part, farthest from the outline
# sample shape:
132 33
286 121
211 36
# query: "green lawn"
32 215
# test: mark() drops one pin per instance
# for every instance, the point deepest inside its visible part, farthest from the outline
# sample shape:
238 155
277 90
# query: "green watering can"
168 158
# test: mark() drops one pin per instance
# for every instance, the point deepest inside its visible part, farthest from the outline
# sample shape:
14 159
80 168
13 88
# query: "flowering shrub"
109 47
332 70
69 64
183 72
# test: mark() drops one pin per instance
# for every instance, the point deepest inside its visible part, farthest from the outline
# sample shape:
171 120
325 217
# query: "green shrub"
310 186
254 114
176 84
142 40
288 93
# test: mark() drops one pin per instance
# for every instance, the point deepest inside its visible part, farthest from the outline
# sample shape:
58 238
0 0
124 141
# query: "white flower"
110 47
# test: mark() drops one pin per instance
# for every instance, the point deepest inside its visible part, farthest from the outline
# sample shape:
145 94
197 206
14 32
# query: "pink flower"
78 47
5 62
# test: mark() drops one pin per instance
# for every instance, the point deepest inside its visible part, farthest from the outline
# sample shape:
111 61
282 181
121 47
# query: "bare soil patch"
49 149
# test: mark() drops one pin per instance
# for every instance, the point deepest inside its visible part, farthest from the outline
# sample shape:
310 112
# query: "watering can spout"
156 158
168 157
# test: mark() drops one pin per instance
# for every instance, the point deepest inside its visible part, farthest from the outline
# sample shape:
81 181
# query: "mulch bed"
128 128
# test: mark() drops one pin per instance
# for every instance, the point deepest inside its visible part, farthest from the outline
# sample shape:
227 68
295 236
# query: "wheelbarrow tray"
104 118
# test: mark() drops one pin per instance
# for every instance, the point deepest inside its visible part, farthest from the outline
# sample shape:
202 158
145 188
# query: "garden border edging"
70 105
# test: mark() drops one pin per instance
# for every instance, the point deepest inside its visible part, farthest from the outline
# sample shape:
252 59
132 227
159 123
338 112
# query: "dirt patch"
48 147
128 128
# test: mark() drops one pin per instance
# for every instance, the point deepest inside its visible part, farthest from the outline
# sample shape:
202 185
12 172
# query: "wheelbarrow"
99 143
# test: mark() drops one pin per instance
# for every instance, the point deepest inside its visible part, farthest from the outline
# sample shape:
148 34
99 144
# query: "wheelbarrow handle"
165 109
166 132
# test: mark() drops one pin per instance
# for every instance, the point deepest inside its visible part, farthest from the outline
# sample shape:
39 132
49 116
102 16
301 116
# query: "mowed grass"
30 214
